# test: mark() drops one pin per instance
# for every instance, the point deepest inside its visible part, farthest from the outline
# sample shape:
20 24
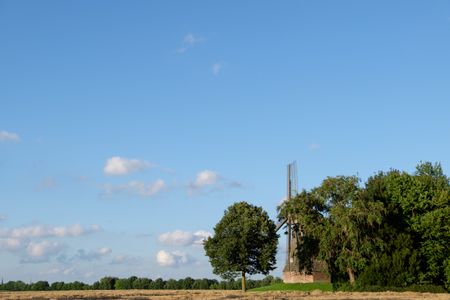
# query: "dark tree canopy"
393 231
244 242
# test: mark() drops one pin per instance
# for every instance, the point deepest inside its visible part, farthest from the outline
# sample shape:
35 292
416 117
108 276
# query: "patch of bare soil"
215 294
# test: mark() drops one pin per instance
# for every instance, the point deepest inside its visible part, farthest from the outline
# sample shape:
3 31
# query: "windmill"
292 273
291 229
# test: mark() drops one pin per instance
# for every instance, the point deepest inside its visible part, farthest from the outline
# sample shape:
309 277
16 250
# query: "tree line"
133 282
391 231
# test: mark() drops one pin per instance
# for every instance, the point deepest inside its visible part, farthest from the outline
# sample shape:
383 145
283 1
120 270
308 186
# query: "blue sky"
128 127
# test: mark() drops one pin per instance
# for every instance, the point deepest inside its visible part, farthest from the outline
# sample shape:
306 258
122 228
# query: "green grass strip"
305 287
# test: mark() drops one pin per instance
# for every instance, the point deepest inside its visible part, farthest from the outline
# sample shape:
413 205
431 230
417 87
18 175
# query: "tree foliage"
244 242
137 283
393 231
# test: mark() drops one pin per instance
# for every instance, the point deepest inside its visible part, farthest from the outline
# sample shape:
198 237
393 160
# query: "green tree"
57 286
349 236
40 286
200 284
142 283
422 202
186 283
16 286
157 284
244 242
171 284
394 231
107 283
123 284
337 226
395 261
96 285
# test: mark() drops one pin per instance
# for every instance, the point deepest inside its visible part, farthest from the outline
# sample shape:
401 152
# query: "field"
304 287
211 294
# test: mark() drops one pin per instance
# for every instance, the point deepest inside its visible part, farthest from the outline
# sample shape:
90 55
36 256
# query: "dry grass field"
198 294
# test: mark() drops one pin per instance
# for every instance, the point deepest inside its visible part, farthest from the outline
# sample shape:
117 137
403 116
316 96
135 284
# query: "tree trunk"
351 276
244 284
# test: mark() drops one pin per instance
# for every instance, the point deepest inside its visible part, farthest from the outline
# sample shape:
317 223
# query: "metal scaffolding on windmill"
292 233
292 273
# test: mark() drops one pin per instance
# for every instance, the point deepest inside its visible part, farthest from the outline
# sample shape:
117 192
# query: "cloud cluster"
123 166
183 238
117 165
172 259
32 244
6 136
136 187
40 231
179 238
205 181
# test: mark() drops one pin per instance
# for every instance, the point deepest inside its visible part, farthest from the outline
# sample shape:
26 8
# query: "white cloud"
136 188
314 146
189 41
117 165
6 136
205 178
103 251
38 249
40 231
41 251
177 237
210 181
10 244
216 68
172 259
200 236
2 217
93 254
183 238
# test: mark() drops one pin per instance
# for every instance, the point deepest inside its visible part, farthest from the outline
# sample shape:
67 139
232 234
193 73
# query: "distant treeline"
133 282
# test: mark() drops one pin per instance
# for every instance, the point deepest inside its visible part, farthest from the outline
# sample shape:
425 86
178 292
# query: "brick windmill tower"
292 273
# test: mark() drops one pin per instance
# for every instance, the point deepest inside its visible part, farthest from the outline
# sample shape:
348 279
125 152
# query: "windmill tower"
292 188
292 273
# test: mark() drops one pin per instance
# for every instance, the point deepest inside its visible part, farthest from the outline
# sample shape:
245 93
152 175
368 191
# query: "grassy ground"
305 287
216 295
